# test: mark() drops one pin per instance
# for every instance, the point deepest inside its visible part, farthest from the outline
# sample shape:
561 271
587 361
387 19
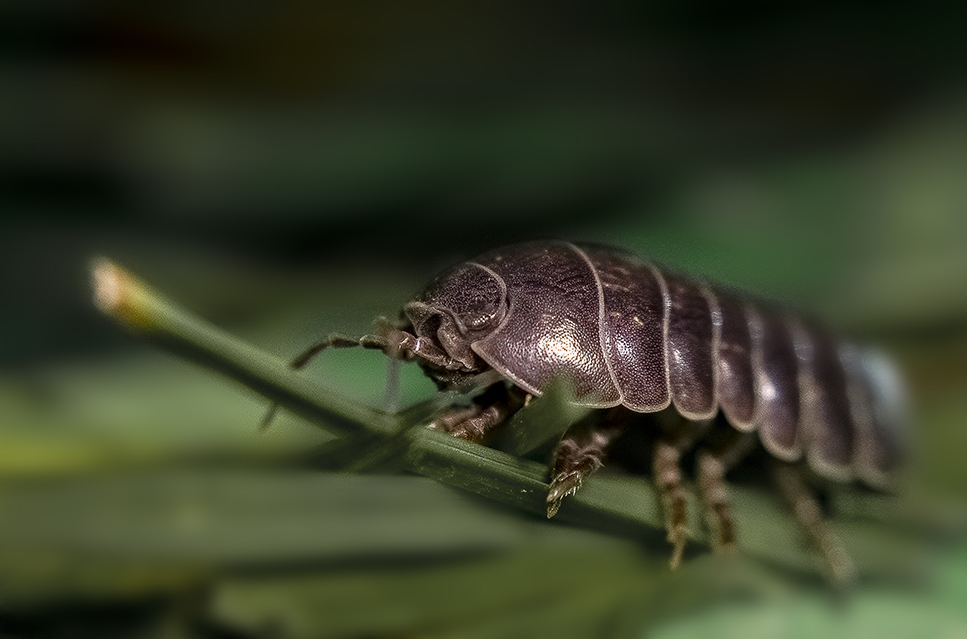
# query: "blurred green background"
290 168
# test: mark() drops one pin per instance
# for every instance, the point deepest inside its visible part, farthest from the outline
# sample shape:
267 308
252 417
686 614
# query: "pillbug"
632 337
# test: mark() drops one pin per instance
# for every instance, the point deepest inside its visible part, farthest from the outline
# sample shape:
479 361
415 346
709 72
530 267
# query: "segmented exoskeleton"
629 334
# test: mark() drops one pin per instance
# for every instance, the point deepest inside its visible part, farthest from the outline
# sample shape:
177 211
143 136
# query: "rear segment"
672 340
879 411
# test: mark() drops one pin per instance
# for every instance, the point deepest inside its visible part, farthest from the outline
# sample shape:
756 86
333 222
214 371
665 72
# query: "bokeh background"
290 168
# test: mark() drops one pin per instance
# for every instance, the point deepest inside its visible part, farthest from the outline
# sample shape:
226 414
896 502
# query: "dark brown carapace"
629 334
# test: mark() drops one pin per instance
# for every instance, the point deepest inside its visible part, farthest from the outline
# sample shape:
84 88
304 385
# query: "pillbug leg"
580 452
715 498
667 475
808 513
453 416
678 436
711 466
488 410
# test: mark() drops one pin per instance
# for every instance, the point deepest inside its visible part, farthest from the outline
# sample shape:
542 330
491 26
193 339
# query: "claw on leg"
580 452
561 487
574 460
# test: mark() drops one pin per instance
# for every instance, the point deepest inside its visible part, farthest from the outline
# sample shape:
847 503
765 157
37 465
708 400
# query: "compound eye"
481 307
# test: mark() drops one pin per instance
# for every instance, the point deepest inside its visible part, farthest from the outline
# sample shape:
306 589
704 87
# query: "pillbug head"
460 307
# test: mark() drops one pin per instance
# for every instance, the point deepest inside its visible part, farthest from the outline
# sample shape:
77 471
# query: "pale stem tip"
108 284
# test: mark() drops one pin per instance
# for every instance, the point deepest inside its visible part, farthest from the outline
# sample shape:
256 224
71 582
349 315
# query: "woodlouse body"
629 333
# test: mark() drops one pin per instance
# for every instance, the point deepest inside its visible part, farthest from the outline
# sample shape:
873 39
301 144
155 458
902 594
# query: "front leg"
490 409
580 452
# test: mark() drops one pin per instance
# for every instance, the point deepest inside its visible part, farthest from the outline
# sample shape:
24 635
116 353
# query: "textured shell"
626 332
